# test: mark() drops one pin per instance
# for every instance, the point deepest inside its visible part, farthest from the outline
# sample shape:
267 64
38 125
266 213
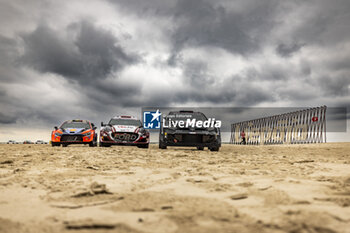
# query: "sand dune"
294 188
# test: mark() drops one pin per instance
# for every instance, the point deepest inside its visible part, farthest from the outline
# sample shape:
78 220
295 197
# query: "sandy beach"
276 188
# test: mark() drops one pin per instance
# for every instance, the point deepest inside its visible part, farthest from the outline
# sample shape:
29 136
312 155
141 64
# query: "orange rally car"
74 132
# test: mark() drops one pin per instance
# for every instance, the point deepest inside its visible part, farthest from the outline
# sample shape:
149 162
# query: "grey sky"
94 59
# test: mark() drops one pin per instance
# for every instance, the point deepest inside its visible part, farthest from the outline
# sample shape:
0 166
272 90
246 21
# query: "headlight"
103 133
87 134
143 131
58 134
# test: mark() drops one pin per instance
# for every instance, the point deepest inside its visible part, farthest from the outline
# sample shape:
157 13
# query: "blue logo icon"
151 120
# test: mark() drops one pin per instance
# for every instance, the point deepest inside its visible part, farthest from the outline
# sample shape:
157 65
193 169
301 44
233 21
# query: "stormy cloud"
82 52
5 119
72 59
202 23
286 50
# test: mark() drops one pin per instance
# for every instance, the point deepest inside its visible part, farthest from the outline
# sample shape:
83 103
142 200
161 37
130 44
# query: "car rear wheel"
200 147
214 148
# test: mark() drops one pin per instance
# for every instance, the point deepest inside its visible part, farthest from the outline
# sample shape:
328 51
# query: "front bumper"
190 138
122 138
73 139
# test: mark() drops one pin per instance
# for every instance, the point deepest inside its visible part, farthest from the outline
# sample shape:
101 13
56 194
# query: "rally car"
176 132
12 142
74 132
124 130
27 142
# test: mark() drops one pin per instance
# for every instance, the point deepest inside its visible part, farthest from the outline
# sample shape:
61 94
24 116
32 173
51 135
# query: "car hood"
73 130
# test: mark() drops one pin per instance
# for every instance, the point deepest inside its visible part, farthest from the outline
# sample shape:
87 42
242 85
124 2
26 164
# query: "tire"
92 144
214 148
162 146
55 144
200 147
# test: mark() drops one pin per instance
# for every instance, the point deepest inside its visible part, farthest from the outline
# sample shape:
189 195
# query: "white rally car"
124 130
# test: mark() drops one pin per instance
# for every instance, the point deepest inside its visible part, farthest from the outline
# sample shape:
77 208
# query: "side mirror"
94 128
56 128
92 124
102 124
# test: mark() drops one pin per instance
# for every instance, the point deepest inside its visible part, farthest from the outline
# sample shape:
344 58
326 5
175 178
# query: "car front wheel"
162 146
214 148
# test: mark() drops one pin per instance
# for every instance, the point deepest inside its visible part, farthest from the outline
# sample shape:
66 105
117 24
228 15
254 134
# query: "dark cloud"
7 50
238 90
246 29
323 23
8 56
45 51
305 68
101 51
6 119
59 62
335 85
340 62
88 57
146 8
287 50
196 74
92 55
204 23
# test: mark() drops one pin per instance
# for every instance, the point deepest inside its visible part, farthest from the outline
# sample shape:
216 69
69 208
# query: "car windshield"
79 125
132 122
186 115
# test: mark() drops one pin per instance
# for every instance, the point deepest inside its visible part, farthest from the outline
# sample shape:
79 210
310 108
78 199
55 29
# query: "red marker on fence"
315 119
